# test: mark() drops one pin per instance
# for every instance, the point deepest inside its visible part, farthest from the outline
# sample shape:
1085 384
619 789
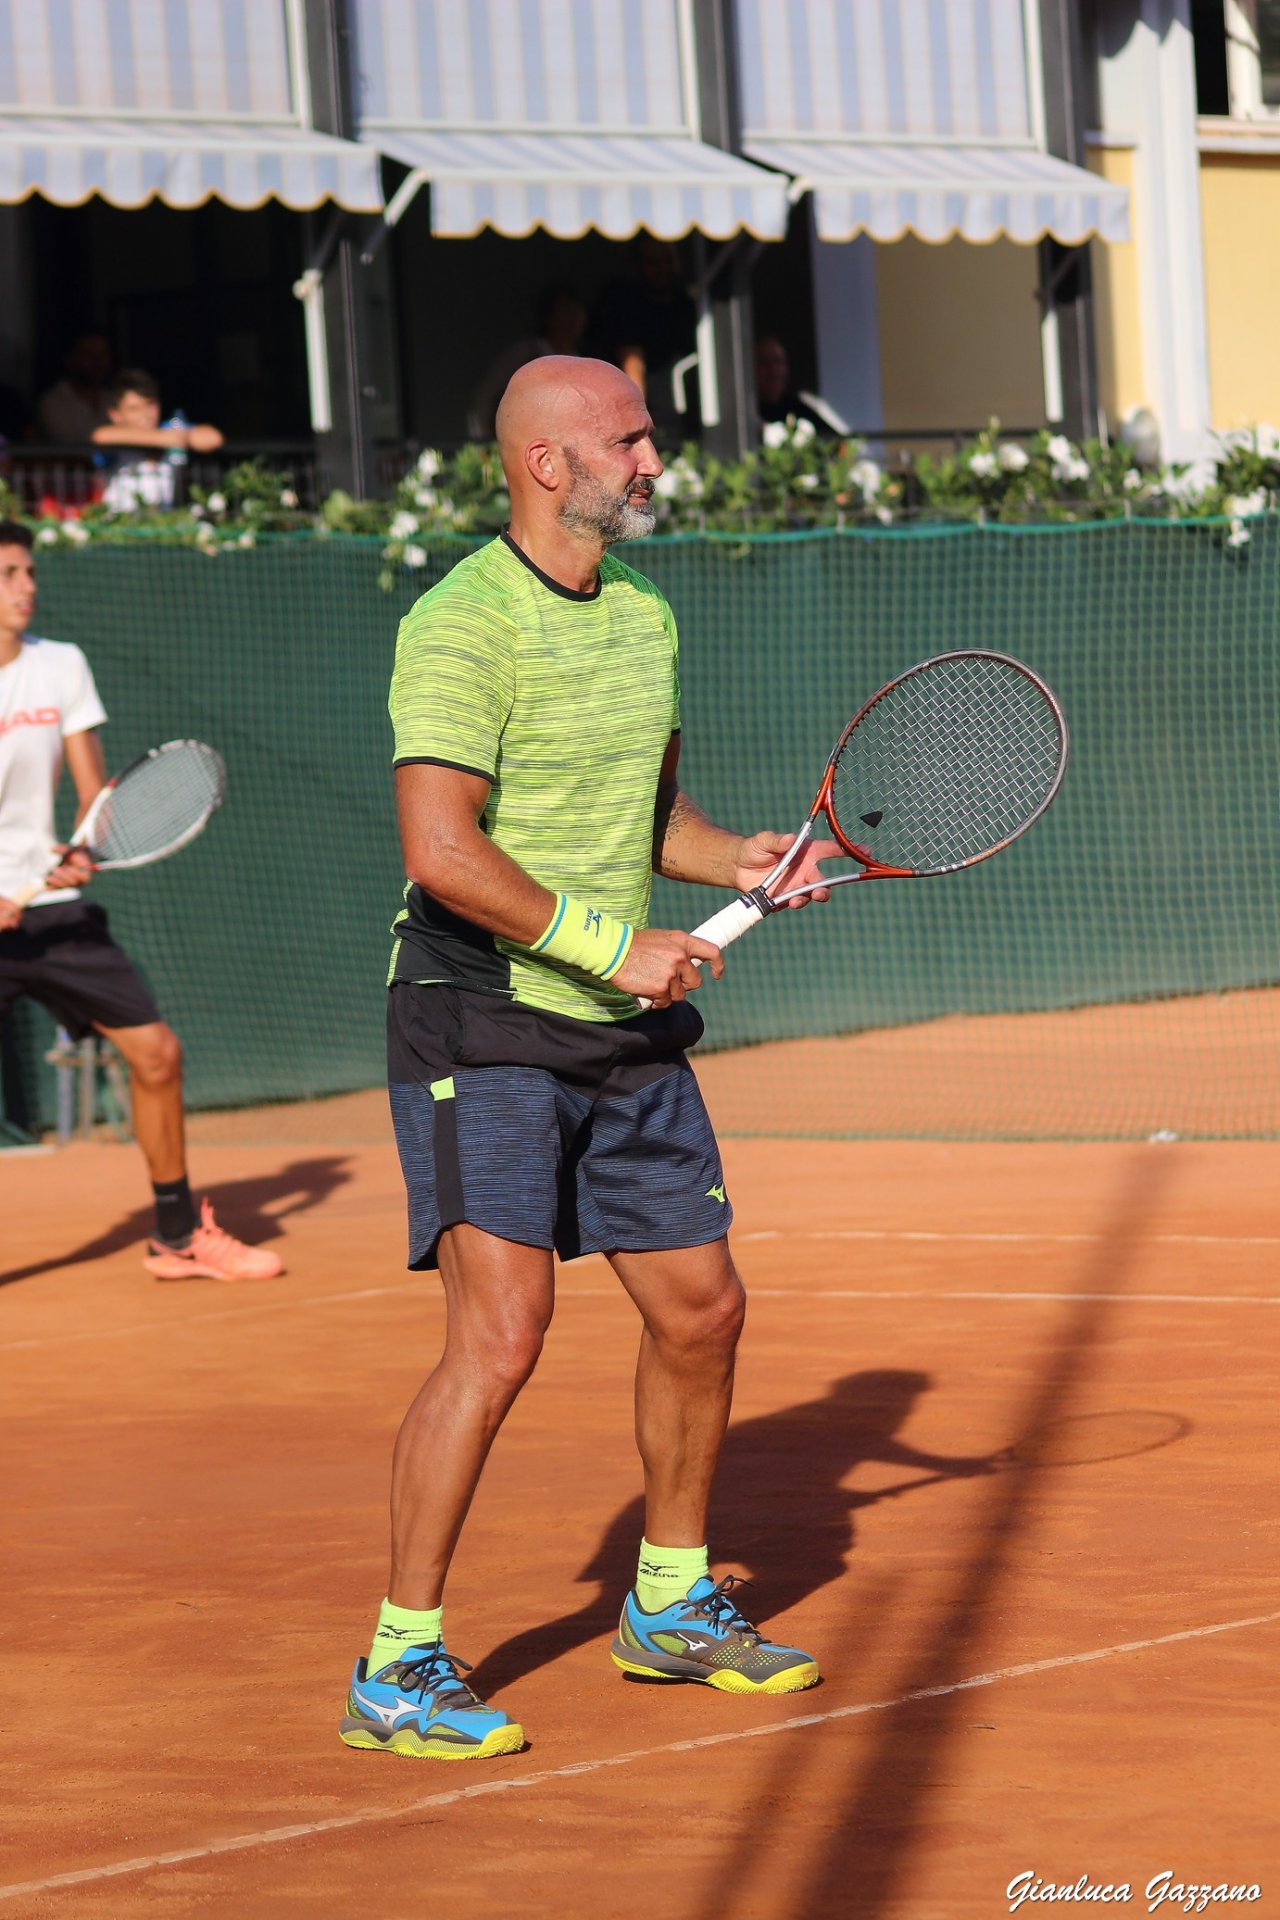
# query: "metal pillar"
726 342
1066 278
332 289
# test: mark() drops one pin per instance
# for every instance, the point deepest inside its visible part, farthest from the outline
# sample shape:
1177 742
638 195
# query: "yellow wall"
1240 205
959 334
1117 313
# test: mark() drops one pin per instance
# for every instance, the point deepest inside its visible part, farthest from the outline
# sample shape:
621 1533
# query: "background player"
59 949
536 707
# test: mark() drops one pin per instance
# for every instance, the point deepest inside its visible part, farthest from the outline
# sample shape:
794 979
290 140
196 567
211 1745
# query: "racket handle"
25 895
724 927
731 922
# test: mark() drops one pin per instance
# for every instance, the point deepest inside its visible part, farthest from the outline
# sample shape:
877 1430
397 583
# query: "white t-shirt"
46 693
139 480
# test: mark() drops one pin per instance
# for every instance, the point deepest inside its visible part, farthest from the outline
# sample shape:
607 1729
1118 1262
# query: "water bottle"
177 455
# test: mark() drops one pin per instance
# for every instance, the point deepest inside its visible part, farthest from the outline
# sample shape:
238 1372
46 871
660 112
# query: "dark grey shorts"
64 957
567 1134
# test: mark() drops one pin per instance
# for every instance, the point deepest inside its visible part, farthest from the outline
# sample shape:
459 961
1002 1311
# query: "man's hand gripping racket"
149 810
941 768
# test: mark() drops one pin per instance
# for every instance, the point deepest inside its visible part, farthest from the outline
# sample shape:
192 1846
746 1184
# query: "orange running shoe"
211 1254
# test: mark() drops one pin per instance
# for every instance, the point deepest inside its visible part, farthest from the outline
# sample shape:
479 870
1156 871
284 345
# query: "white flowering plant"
799 478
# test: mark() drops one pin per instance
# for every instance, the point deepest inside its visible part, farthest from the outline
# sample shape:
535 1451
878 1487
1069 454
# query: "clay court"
1063 1667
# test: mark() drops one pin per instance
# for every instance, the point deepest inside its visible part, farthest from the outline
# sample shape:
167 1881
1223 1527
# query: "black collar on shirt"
554 586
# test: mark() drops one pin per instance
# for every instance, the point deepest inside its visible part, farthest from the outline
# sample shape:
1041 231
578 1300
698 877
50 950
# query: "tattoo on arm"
674 816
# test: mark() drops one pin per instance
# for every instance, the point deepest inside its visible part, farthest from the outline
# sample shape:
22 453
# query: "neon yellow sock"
400 1628
667 1573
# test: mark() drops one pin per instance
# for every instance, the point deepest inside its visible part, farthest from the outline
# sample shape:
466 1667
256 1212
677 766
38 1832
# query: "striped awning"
133 162
911 116
536 113
948 192
571 184
176 100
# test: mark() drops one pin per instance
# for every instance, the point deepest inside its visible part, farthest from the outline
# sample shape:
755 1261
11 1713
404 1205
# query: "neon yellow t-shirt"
565 703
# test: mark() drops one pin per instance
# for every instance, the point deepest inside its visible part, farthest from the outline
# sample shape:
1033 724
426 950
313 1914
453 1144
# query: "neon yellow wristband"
582 937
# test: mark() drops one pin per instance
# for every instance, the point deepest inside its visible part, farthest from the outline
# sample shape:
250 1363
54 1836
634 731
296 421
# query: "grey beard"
589 509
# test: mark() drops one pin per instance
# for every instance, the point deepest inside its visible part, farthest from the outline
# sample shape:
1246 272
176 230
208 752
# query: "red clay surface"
1067 1670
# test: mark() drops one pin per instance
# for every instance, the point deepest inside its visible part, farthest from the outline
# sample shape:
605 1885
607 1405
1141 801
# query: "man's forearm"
480 883
689 846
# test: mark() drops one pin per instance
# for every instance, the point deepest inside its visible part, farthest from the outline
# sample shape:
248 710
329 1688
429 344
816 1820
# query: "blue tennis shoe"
420 1705
705 1637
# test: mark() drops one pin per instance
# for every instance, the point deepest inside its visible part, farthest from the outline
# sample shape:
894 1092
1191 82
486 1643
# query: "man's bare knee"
708 1322
154 1055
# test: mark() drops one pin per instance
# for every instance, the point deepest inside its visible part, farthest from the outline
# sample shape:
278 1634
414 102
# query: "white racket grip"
731 922
25 895
723 928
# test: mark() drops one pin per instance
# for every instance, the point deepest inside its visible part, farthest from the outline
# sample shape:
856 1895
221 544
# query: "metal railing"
52 480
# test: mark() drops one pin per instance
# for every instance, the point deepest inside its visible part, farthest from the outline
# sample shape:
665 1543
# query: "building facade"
325 218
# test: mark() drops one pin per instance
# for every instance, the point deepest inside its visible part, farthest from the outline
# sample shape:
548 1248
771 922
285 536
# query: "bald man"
537 1110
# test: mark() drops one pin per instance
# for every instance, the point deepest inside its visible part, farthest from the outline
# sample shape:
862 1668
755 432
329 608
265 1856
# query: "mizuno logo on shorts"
716 1193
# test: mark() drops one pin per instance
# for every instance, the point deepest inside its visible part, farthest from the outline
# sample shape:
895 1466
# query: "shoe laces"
440 1672
213 1238
723 1613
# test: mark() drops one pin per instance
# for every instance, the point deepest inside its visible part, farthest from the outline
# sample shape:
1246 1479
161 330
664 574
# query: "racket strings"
157 804
948 765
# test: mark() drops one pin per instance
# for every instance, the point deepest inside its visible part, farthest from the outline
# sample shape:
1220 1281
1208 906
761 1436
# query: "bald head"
562 398
577 449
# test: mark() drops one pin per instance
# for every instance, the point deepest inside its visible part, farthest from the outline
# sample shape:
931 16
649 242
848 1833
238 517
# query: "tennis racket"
154 806
945 766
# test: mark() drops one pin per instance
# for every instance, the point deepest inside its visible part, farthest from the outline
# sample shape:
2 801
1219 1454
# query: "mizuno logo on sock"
655 1570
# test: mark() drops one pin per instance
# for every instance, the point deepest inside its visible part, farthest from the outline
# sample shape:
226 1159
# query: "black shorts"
65 958
576 1135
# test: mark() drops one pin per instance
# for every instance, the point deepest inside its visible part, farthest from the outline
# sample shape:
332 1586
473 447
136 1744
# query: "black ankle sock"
175 1211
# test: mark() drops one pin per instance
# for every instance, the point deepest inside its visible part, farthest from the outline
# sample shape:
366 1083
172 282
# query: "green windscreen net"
1113 975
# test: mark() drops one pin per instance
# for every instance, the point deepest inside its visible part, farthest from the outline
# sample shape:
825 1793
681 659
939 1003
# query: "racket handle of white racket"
25 895
724 927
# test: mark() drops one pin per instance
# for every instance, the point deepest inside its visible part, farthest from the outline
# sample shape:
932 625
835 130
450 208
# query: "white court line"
939 1296
1007 1239
281 1305
369 1816
936 1295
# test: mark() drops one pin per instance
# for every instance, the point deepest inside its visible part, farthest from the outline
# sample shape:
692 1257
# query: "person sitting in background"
561 323
138 478
645 323
69 410
777 399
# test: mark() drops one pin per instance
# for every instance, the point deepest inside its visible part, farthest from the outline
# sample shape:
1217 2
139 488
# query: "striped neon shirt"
565 703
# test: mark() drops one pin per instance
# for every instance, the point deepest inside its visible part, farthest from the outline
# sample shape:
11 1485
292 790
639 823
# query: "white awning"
175 100
907 117
132 162
569 118
946 192
571 184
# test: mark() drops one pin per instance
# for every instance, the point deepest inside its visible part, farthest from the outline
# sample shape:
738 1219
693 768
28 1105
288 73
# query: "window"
1269 51
1237 52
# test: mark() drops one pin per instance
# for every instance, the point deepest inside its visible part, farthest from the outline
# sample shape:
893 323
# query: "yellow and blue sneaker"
705 1637
420 1705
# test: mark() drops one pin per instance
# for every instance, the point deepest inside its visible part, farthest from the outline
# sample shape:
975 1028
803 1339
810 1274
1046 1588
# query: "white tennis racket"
154 806
943 767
